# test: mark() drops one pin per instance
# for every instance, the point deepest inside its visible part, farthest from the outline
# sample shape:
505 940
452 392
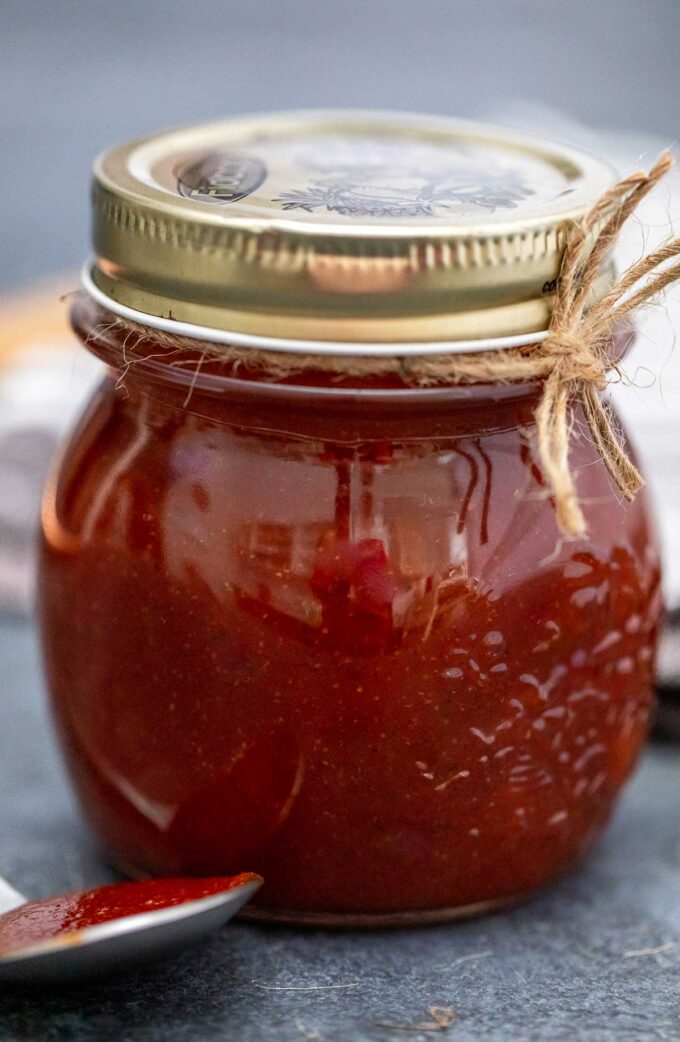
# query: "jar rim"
234 338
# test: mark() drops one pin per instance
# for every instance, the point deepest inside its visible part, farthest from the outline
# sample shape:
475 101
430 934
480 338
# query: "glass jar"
326 629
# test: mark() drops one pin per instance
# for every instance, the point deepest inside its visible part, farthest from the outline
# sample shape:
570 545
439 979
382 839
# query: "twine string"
579 342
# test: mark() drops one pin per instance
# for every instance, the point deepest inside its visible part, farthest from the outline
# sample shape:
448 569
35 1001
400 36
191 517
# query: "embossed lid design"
340 226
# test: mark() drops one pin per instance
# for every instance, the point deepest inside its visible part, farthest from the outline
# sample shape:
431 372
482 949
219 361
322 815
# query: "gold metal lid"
340 226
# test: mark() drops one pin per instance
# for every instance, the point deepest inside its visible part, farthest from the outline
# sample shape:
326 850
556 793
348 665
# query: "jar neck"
195 379
122 344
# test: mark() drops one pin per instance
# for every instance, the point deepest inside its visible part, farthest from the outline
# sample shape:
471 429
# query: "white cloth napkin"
42 392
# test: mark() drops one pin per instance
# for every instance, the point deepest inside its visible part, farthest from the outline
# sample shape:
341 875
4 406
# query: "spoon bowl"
120 941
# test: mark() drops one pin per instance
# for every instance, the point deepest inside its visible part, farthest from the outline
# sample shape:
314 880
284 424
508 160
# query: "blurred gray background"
599 956
77 75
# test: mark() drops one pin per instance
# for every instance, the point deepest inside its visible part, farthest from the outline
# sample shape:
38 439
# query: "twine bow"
577 350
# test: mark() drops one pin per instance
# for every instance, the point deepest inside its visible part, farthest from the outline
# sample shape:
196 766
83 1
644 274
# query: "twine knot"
574 358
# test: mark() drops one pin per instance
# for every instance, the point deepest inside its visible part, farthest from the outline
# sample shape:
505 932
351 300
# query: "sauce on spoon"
38 921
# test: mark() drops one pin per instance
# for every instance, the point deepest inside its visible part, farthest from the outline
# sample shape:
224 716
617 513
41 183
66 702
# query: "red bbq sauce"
345 647
323 625
68 914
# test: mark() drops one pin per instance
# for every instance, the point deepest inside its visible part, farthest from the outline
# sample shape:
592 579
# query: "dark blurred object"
667 723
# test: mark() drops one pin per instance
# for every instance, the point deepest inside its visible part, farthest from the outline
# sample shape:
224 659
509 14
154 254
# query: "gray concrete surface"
595 960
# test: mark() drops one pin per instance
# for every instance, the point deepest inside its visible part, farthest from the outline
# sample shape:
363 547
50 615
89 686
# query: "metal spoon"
119 942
